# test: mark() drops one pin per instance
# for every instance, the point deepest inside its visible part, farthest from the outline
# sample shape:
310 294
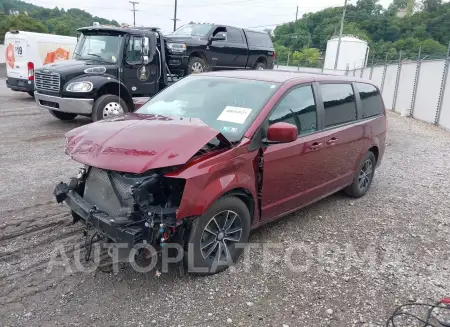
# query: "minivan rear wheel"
217 238
363 178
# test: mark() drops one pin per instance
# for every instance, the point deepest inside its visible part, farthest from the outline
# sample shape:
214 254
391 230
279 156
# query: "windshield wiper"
98 56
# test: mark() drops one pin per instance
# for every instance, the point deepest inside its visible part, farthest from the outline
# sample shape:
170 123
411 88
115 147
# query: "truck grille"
47 81
99 192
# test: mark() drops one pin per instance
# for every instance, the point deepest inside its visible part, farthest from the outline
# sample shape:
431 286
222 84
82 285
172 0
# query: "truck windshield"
228 105
193 30
98 47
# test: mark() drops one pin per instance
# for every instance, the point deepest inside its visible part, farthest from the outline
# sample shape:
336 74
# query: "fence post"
384 75
397 80
416 81
347 68
371 71
443 84
354 69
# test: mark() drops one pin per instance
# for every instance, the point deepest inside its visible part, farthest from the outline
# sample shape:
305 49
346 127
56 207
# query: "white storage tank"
352 54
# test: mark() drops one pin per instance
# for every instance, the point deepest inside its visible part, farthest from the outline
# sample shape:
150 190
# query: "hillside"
20 15
428 28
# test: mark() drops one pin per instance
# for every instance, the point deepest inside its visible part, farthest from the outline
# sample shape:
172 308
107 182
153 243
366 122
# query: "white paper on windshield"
236 115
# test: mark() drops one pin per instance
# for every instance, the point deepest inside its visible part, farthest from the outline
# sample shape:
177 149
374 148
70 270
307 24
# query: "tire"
99 110
260 66
65 116
197 260
31 94
195 62
355 190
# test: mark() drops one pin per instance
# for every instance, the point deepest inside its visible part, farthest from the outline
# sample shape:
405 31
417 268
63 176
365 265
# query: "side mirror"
221 36
145 50
282 133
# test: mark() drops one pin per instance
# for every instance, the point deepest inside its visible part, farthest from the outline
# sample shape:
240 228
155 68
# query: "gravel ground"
360 257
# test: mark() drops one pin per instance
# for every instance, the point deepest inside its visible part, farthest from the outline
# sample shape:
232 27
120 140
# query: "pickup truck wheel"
217 238
196 65
66 116
108 106
260 66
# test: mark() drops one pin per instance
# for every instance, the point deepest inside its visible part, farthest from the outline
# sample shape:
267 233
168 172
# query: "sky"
257 14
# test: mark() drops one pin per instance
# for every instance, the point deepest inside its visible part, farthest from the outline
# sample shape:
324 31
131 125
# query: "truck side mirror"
145 50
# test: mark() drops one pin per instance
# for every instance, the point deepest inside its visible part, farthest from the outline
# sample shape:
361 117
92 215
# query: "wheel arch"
261 59
115 89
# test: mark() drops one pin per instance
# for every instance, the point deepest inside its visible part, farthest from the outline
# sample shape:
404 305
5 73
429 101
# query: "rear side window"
298 107
258 39
372 105
234 35
339 102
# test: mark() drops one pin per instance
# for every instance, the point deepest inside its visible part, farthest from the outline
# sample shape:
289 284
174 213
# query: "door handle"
331 141
315 146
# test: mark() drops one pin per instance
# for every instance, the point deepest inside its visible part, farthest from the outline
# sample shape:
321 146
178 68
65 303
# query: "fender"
207 181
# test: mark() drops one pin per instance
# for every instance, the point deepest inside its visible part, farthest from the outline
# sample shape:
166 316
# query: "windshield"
98 47
228 105
193 30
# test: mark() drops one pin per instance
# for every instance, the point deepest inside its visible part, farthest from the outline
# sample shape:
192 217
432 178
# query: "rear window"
258 39
372 105
339 102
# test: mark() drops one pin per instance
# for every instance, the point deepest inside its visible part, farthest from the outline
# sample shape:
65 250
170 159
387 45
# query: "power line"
134 3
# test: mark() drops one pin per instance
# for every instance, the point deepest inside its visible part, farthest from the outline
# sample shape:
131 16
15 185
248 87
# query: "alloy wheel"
112 109
365 175
220 235
197 67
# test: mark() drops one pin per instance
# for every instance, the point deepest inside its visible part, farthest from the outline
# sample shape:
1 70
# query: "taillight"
30 71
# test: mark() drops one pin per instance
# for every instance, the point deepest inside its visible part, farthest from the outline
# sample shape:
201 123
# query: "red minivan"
218 154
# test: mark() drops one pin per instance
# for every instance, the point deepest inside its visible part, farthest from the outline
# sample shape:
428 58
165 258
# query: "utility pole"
296 15
134 3
175 16
340 36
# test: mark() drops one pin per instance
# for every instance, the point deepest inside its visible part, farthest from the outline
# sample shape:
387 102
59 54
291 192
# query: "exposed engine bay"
124 207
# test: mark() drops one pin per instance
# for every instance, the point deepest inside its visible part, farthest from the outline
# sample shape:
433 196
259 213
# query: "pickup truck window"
193 30
228 105
234 35
258 39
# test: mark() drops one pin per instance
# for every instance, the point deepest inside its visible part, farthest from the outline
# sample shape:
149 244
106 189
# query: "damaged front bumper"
102 222
122 208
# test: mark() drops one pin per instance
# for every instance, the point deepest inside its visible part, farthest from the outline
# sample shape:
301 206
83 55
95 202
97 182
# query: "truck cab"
110 66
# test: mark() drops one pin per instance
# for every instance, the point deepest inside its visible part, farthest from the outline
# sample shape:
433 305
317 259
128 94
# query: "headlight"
79 87
95 70
176 47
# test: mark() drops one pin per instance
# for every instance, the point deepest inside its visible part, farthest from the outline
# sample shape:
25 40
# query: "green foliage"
426 26
24 16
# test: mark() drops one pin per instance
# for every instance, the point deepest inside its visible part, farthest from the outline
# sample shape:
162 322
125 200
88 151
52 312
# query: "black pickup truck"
195 48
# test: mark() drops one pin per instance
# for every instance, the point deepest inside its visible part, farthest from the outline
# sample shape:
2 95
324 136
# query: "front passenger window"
134 49
298 107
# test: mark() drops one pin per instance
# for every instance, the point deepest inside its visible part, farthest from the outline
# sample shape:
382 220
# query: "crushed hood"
136 143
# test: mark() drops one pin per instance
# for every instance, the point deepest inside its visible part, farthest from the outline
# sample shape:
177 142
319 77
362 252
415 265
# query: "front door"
217 51
293 173
139 79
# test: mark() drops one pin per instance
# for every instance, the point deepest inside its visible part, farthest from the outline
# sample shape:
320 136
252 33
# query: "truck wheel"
260 66
31 94
107 106
196 65
66 116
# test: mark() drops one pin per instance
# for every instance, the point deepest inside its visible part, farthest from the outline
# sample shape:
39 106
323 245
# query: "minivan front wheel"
218 237
364 177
